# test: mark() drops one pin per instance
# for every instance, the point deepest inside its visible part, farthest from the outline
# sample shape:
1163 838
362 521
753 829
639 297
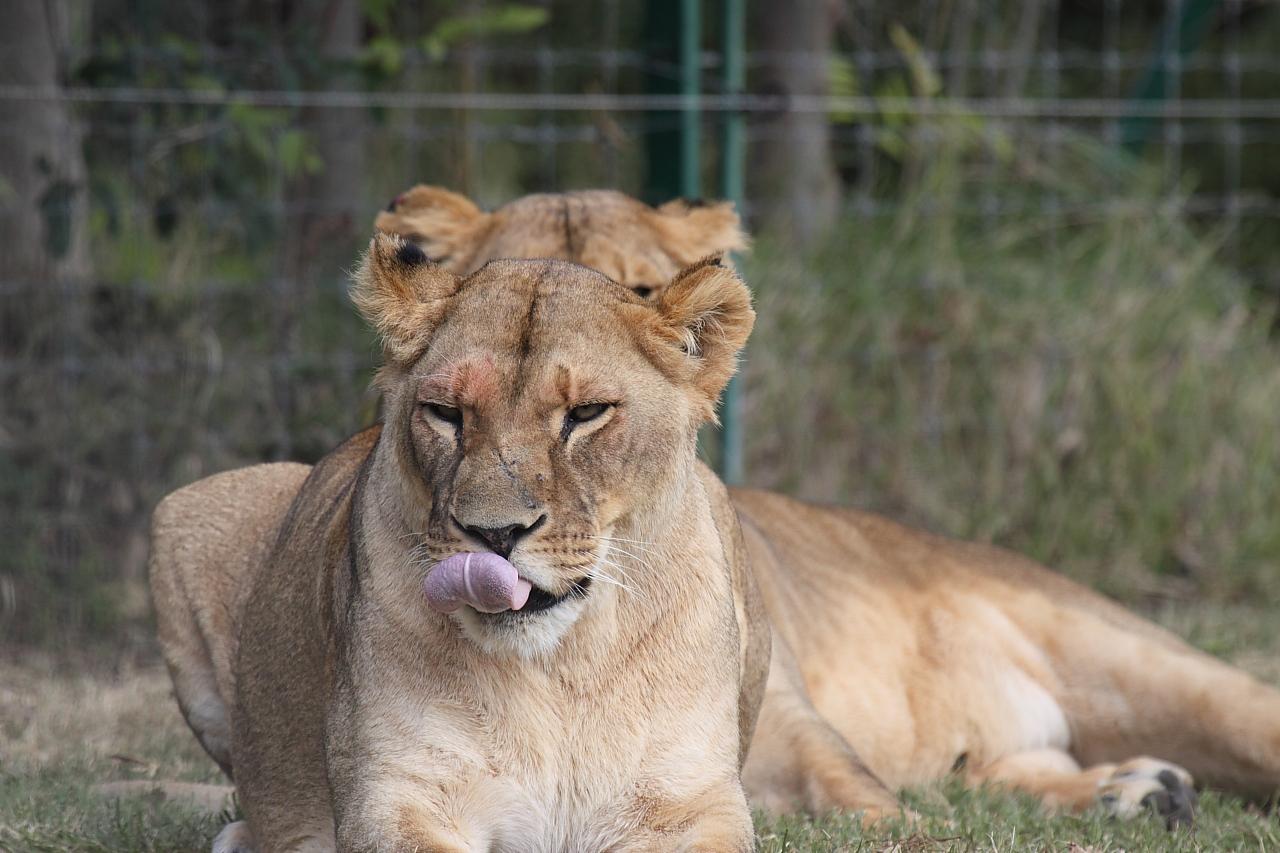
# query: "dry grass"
128 717
64 730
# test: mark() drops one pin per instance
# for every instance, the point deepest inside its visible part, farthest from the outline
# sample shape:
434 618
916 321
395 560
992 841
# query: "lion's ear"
707 312
401 294
447 226
695 229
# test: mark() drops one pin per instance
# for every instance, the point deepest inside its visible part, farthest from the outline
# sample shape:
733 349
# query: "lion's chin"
526 635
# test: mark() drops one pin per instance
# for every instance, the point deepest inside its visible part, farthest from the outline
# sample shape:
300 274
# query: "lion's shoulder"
329 484
314 535
288 619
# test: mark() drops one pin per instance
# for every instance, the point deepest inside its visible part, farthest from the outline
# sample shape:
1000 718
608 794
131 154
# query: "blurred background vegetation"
1017 273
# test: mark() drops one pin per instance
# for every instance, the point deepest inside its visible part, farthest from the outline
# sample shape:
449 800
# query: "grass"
1080 380
954 819
54 810
63 730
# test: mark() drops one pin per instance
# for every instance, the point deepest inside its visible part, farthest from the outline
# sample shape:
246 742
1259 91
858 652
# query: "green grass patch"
955 819
55 809
1078 377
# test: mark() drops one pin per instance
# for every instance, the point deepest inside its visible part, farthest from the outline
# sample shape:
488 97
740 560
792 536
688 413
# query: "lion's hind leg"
1128 688
206 540
186 650
1125 791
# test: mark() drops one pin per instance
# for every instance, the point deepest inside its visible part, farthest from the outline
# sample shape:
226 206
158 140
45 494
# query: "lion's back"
206 538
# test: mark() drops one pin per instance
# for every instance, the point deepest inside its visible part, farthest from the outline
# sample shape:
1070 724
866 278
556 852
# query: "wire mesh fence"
172 286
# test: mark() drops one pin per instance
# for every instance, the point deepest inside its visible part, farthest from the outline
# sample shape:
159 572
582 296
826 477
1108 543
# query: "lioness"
926 655
539 412
920 655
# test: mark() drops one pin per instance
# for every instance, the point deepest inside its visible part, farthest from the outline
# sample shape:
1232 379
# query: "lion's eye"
579 415
448 414
642 290
588 412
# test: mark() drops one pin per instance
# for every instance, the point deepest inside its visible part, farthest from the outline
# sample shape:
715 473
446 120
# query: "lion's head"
636 245
540 410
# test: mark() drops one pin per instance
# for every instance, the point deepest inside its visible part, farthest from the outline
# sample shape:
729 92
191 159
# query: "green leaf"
203 83
384 54
842 76
926 80
378 12
296 155
255 127
893 89
500 20
842 82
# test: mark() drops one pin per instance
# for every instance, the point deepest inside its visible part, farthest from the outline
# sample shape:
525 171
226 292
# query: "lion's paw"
1149 783
235 838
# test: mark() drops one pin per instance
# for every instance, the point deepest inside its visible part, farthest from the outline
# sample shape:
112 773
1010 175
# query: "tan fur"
899 657
206 539
918 655
358 716
931 656
636 245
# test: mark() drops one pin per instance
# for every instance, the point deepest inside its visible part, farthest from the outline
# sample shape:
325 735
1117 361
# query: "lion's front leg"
404 811
717 820
412 831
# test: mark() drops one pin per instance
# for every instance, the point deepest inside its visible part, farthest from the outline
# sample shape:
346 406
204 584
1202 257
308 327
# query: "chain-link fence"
185 184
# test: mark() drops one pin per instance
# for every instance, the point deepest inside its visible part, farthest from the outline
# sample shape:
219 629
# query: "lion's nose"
502 540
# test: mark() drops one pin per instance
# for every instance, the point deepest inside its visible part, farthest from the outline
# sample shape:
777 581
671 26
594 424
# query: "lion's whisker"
644 564
614 543
628 585
625 572
628 553
621 539
643 559
597 573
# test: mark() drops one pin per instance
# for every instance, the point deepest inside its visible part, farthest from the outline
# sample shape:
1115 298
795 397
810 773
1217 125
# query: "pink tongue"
482 580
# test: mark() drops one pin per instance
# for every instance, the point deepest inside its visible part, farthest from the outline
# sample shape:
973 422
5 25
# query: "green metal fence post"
1181 35
731 188
690 88
662 136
